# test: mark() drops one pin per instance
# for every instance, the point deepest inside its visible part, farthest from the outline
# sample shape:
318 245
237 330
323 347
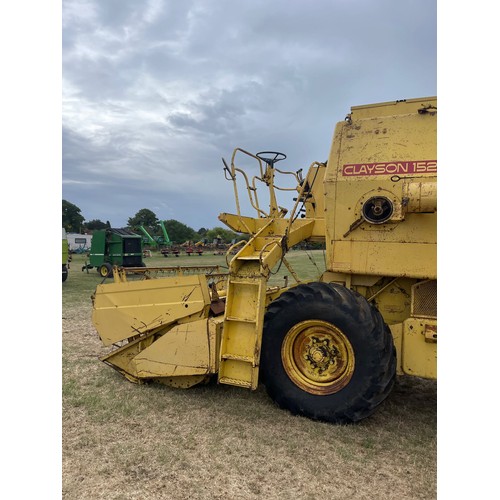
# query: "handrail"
232 247
267 177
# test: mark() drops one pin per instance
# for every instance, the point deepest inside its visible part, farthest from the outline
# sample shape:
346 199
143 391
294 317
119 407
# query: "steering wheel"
270 157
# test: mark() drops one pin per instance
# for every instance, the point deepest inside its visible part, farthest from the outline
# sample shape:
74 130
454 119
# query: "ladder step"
238 357
243 320
245 308
240 282
234 381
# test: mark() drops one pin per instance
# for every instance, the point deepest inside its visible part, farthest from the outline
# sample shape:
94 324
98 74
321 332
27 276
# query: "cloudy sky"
155 92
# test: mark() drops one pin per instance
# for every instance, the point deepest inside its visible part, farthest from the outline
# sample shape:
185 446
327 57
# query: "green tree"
225 235
72 219
179 232
96 224
144 217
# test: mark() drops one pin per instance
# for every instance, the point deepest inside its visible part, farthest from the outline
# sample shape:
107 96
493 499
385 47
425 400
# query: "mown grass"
127 441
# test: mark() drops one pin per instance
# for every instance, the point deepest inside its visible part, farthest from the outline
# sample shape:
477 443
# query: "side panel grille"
424 299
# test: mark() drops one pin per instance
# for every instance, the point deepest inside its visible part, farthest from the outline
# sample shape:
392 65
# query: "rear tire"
327 353
64 273
105 270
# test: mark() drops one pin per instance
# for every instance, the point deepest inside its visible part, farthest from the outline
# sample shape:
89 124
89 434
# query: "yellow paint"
393 138
419 357
183 350
171 355
124 310
397 336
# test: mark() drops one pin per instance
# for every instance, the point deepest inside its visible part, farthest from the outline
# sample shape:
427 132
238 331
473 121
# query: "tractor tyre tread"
372 380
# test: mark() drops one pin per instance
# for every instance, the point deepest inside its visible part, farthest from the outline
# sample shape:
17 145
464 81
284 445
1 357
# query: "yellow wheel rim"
318 357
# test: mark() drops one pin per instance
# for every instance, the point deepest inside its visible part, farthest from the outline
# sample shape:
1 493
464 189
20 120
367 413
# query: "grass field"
127 441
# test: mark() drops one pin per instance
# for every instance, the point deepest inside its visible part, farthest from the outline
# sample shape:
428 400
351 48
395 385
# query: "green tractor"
114 247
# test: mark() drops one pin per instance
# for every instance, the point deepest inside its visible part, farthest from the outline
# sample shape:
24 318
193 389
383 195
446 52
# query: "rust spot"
430 333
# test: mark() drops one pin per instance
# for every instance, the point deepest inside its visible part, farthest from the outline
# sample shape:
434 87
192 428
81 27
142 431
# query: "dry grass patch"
126 441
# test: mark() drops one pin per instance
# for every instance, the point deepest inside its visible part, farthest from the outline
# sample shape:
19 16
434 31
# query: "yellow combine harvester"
329 349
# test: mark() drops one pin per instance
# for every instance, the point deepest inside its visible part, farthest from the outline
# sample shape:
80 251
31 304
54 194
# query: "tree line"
74 222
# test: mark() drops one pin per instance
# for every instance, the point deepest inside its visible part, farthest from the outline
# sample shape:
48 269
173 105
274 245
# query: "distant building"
79 243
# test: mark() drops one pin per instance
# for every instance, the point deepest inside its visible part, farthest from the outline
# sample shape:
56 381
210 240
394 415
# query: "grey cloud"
154 93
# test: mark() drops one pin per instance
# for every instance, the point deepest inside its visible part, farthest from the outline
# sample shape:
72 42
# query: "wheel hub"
320 354
318 357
